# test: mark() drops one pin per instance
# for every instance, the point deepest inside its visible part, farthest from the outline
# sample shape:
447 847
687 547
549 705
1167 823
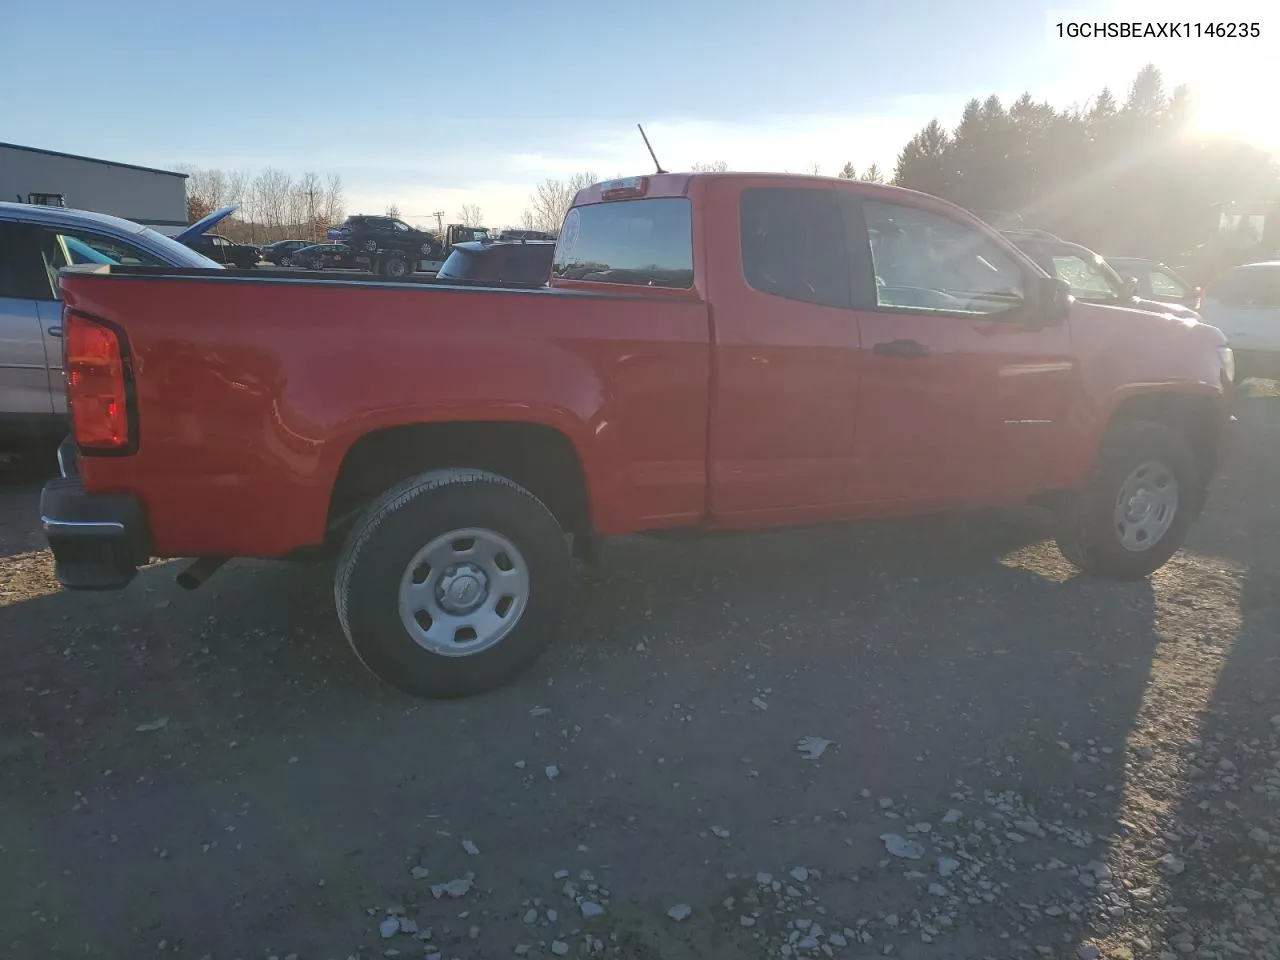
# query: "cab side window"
926 262
793 244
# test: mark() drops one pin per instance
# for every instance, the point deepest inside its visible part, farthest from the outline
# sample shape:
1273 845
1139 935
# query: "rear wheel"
452 583
1133 513
395 267
286 261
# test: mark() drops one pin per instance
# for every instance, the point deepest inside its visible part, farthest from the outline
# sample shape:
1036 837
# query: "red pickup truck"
713 351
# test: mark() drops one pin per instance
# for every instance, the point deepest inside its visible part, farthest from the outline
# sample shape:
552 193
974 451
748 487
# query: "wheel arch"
539 457
1199 416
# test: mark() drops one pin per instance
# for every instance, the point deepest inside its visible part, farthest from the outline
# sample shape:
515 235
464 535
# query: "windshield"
1089 277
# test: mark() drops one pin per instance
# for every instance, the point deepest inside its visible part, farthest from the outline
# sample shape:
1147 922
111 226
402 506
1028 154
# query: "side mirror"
1130 286
1053 300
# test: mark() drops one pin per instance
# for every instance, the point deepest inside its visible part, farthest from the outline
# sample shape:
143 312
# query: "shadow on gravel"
937 655
1229 894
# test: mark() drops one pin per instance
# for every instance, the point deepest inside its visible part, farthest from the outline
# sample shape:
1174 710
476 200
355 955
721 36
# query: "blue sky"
431 105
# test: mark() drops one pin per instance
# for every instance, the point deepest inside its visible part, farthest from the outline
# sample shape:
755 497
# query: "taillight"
94 366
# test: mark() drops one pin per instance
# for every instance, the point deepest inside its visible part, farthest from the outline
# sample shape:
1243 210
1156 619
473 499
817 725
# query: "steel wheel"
1146 506
464 592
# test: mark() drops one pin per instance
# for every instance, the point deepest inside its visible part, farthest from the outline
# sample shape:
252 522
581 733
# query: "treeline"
1125 179
273 205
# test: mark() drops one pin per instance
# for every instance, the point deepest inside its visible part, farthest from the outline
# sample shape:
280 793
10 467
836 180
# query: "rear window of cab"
646 243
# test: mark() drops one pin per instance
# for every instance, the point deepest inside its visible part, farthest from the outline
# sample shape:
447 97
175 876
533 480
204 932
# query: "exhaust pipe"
199 571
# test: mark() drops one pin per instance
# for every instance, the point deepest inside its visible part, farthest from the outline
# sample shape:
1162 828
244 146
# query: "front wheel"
452 583
395 267
1133 513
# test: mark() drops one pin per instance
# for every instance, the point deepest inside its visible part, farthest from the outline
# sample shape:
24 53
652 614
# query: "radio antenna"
649 147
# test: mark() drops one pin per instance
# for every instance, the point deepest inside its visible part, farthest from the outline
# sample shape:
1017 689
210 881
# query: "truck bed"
250 389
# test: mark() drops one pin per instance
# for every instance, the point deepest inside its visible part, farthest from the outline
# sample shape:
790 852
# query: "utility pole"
311 210
439 215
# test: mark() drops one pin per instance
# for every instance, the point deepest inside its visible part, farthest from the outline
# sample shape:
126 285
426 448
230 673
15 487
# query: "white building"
155 198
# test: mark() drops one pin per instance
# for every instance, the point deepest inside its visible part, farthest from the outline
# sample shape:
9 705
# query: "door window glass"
927 262
793 244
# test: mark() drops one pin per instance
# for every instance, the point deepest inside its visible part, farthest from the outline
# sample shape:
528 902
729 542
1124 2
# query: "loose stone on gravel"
454 888
559 948
591 909
680 912
812 748
1172 865
901 847
419 873
470 847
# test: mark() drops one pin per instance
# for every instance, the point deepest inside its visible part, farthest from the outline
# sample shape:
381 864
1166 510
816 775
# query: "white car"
35 243
1244 303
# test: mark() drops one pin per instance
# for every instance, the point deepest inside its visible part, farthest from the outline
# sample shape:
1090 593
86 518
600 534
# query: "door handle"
905 349
55 331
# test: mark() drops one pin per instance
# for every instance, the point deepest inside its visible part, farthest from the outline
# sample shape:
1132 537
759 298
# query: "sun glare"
1231 101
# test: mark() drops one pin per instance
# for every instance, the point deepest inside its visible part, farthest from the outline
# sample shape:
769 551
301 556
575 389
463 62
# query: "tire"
1135 456
396 267
409 546
286 261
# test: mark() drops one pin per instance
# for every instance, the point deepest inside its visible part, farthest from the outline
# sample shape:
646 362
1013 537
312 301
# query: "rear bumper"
98 540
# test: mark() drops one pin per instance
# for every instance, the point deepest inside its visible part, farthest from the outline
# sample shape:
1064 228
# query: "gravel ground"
917 740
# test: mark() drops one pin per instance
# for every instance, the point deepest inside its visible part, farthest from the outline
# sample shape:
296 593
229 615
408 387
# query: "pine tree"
847 172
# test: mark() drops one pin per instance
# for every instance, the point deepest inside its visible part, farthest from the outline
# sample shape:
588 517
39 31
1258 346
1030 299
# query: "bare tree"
715 166
814 169
528 221
272 189
271 206
471 215
393 211
872 175
552 200
333 200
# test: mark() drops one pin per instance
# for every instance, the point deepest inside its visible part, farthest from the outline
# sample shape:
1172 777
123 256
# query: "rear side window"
1249 287
793 244
645 243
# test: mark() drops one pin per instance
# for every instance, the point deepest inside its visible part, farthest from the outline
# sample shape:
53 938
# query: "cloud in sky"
499 175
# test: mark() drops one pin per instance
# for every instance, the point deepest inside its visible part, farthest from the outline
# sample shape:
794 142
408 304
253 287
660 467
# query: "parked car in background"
1087 274
1157 281
712 352
35 243
500 261
325 256
227 252
281 251
388 245
1244 303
